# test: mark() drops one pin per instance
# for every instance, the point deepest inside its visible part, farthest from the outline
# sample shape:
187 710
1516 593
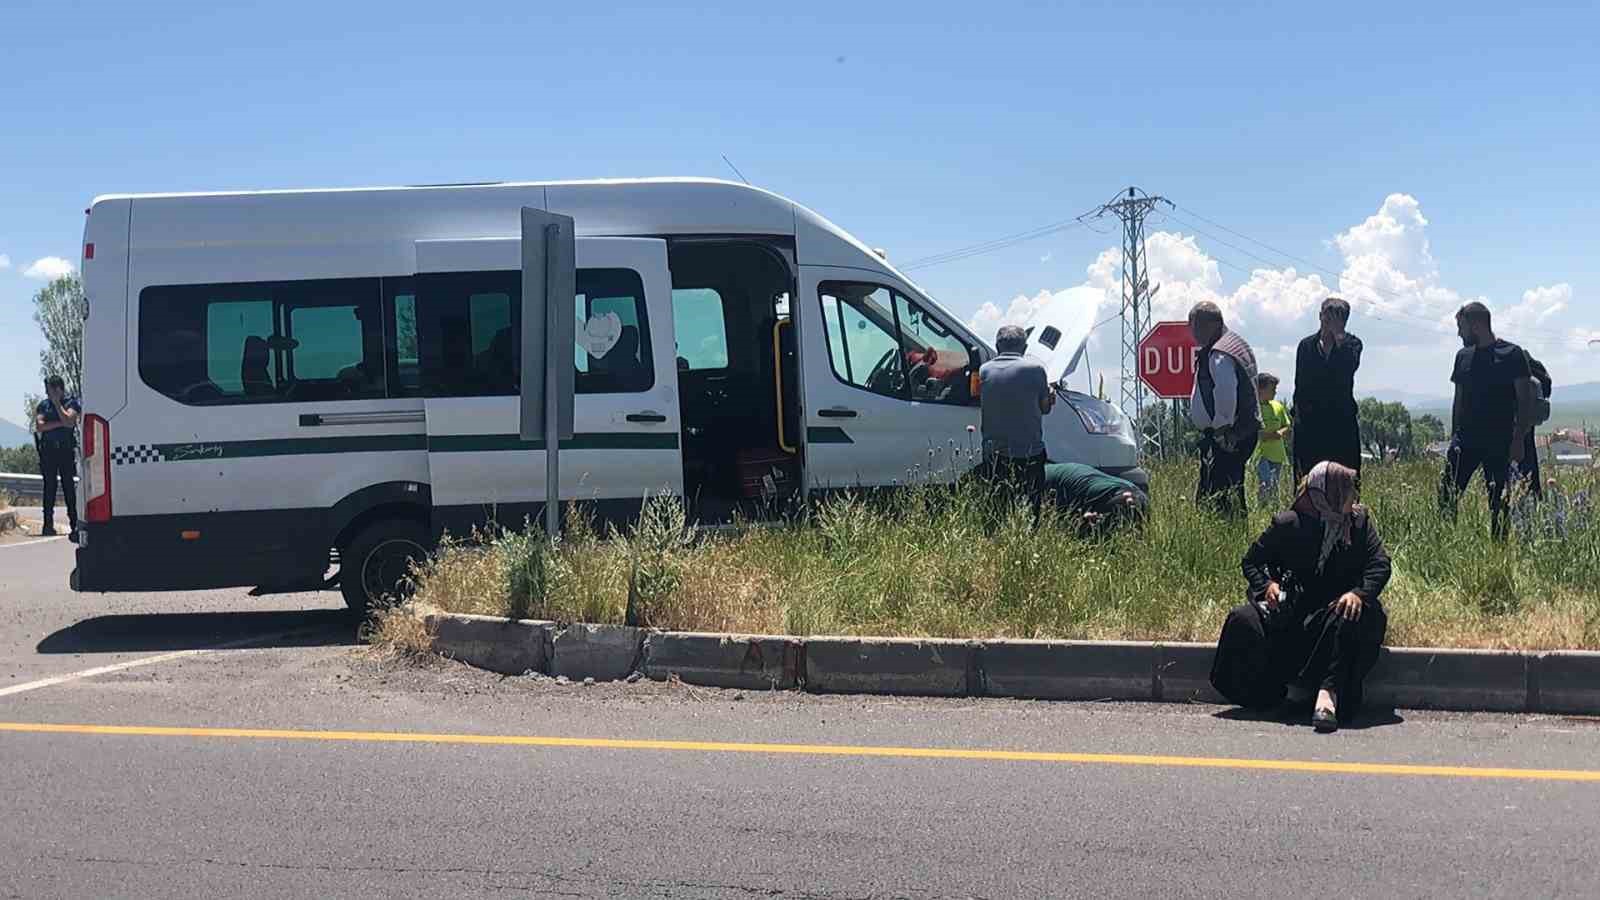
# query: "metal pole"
552 425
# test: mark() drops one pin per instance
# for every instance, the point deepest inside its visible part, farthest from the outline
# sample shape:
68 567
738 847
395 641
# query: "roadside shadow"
154 632
1370 717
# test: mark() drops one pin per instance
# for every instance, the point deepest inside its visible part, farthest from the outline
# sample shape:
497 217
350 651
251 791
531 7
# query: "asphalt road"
295 764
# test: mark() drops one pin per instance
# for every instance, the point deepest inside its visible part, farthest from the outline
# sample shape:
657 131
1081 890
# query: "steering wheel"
886 379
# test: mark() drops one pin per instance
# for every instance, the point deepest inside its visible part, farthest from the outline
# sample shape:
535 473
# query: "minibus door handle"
646 416
837 412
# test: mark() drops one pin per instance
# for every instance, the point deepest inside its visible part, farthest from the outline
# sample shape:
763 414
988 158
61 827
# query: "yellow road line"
1120 759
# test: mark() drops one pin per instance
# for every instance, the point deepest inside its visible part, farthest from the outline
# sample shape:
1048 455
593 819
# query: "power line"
991 246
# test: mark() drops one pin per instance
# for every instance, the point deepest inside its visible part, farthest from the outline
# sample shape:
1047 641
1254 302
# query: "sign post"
549 285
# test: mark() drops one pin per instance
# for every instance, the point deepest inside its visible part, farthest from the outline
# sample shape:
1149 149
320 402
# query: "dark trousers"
1259 656
59 464
1528 469
1016 478
1222 475
1318 441
1460 463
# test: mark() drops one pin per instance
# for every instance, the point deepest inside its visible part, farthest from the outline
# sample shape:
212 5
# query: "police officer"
56 422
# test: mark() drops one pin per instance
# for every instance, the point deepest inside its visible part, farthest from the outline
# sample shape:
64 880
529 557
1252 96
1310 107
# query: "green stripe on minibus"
201 451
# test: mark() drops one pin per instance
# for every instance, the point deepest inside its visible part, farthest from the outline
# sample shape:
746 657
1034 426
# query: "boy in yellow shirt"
1271 455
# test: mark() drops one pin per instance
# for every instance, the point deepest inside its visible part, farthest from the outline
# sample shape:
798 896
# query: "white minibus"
280 385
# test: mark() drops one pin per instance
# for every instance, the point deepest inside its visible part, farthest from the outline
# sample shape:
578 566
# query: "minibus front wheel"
375 567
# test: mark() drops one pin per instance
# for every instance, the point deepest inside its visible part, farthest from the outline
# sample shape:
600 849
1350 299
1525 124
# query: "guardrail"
25 487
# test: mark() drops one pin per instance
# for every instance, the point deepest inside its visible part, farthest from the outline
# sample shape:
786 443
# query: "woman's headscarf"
1323 494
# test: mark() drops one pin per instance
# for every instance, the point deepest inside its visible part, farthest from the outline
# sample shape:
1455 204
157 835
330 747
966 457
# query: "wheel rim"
384 572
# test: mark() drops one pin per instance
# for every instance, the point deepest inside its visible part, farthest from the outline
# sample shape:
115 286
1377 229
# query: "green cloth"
1273 418
1084 488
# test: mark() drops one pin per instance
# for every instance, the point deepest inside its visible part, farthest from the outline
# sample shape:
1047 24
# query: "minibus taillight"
96 469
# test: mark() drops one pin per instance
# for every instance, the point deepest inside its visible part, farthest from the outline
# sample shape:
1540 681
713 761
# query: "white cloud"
1047 257
1396 233
5 262
989 317
48 268
1538 306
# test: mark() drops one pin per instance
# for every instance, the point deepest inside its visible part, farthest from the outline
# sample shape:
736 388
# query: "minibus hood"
1059 329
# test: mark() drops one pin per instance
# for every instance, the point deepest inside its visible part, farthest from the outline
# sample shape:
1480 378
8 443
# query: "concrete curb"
1559 682
907 667
1068 670
1422 678
601 652
507 646
745 661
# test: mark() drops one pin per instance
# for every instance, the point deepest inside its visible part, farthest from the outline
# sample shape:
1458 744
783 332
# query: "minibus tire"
374 566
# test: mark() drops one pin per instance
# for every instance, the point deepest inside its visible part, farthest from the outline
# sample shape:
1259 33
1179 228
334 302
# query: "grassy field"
932 562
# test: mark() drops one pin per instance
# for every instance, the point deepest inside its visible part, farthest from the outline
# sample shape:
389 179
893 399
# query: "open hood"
1059 329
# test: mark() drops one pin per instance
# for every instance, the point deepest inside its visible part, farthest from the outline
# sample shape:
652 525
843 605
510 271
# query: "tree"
1426 430
24 459
1386 427
58 310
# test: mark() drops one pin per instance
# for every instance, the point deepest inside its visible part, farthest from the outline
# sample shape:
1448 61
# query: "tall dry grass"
942 561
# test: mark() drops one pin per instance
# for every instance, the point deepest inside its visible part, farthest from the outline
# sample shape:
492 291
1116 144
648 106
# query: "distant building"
1569 453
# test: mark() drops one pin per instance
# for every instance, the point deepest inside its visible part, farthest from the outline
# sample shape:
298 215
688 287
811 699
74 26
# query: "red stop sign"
1166 360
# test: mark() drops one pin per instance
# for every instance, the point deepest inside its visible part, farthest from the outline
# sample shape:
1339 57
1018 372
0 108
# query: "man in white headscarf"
1314 621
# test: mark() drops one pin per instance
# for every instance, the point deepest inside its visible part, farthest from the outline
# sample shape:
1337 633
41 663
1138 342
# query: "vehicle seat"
253 368
500 363
621 364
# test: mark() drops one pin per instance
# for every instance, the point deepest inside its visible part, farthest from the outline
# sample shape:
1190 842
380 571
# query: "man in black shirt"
55 421
1325 364
1491 415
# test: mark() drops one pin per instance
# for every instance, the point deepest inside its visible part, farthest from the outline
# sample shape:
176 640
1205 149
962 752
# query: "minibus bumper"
181 553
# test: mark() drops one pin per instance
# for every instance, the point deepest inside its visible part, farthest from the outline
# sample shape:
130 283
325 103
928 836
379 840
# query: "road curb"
745 661
1567 681
506 646
1561 682
913 667
1068 670
1425 678
601 652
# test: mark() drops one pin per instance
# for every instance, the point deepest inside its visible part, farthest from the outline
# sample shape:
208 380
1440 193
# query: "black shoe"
1325 721
49 531
73 534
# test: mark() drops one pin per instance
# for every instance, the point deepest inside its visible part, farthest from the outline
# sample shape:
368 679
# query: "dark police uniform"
58 461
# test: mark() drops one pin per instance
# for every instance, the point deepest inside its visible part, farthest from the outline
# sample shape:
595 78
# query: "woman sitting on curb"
1313 621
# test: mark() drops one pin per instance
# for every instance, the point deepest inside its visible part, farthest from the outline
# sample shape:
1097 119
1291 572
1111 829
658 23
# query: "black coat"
1287 553
1326 426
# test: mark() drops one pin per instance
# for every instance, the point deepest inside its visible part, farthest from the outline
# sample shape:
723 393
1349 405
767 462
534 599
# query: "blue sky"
920 127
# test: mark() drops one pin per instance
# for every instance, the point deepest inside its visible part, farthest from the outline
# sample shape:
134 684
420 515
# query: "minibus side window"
940 364
467 328
700 328
863 341
262 342
612 355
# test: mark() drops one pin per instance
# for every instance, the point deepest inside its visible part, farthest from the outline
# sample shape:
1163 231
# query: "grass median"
937 561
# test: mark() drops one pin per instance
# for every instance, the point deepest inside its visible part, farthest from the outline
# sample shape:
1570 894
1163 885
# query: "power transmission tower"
1132 208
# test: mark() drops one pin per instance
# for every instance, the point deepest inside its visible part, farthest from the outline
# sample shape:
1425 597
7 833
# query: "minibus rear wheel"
375 566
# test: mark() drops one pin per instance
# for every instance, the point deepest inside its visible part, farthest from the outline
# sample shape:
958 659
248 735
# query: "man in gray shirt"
1016 395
